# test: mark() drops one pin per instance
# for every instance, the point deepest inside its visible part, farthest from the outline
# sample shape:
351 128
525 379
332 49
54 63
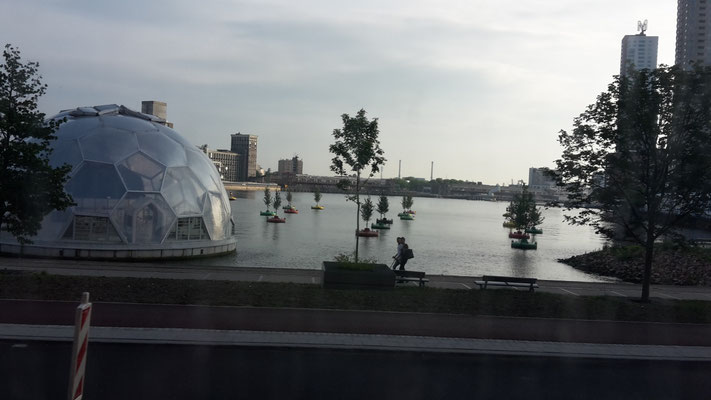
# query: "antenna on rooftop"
642 27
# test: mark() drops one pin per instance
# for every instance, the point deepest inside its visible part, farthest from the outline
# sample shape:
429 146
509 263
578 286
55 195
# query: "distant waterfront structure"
639 51
538 180
158 109
226 162
141 191
291 166
246 147
693 33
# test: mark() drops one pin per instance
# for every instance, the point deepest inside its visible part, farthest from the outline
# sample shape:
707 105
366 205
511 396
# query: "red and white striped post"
79 349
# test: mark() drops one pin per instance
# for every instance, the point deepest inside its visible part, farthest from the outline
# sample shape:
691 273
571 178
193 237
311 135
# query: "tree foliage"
407 202
522 210
289 196
383 206
267 197
277 201
367 210
357 149
639 159
30 187
317 195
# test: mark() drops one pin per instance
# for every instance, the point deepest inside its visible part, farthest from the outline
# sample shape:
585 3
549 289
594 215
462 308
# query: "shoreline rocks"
684 267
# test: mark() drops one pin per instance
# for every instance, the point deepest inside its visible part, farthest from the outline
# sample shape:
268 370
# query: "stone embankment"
689 266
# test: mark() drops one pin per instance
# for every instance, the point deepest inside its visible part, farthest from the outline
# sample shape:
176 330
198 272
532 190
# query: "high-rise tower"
246 147
693 33
639 51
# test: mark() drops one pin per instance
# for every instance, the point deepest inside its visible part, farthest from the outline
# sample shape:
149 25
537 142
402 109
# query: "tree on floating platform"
522 211
317 195
383 206
277 202
267 197
288 197
366 210
407 202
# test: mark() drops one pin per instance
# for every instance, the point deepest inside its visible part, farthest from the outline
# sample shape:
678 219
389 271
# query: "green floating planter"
524 245
534 230
379 226
267 213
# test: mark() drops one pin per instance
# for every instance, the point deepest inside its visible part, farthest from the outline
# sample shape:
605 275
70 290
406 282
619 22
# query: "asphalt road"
359 322
39 370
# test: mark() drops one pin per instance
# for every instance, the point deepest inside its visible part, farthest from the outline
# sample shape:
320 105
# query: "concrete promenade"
183 270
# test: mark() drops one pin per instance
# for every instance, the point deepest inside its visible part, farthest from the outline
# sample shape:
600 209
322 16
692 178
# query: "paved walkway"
258 274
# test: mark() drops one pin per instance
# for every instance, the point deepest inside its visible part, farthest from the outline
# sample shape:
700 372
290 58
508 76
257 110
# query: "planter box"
336 276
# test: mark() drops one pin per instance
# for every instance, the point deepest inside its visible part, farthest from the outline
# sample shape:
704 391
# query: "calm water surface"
451 237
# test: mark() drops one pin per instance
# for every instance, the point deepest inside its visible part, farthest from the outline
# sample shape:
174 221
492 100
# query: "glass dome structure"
141 191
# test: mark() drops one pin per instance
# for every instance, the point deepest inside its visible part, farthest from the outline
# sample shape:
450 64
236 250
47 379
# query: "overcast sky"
479 87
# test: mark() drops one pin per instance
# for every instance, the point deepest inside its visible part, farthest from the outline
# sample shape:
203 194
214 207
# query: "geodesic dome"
141 190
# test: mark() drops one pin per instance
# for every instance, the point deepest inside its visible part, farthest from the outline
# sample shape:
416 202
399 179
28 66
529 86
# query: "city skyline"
480 88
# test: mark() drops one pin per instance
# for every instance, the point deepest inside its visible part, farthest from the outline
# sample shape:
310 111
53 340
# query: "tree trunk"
357 214
647 274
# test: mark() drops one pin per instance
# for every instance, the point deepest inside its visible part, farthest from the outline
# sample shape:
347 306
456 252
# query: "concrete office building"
246 147
141 191
638 52
158 109
226 162
291 166
693 33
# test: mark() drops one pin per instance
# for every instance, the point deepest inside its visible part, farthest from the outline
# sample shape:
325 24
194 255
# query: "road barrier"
82 321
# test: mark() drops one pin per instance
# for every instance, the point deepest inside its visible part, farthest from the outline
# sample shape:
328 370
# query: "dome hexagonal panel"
141 173
204 169
108 145
95 187
183 191
216 220
77 127
161 148
65 151
143 217
54 225
128 123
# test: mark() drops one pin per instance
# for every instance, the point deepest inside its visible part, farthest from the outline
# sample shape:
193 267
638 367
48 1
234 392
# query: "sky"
479 87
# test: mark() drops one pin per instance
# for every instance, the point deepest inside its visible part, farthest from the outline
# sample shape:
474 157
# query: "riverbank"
672 265
511 303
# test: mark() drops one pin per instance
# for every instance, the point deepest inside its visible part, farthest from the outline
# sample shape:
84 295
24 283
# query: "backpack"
407 253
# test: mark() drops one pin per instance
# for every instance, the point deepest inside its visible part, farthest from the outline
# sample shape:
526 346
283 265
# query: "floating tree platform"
524 245
367 233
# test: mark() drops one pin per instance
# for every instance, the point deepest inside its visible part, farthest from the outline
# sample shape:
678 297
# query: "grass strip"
42 286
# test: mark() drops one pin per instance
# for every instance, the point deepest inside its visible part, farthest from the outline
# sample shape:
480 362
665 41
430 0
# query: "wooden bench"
411 276
490 280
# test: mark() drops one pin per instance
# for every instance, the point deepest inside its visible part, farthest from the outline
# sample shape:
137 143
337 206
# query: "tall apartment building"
693 33
291 166
638 52
246 147
537 179
157 108
226 162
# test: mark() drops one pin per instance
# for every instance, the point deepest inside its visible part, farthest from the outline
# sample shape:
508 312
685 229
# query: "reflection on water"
453 237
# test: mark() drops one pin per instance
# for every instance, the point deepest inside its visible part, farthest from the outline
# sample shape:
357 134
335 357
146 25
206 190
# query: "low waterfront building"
141 191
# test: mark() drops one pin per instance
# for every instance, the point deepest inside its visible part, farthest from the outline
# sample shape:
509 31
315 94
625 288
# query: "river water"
451 237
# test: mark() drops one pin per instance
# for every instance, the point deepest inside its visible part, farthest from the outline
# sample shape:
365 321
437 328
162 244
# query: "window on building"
188 228
91 228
